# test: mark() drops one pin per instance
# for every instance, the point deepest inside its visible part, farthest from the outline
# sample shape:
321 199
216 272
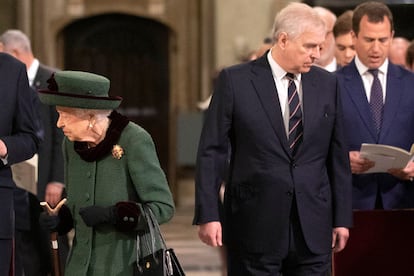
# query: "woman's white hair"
99 114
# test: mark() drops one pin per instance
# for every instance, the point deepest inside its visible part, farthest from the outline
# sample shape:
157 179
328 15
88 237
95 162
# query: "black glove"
94 215
62 223
124 215
49 222
127 216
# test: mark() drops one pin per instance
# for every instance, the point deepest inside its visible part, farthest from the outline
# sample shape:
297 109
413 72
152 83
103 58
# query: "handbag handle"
154 231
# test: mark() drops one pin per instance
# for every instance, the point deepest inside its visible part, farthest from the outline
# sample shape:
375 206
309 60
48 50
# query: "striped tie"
295 115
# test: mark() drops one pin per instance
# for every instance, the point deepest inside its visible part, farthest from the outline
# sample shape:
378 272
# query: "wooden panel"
381 244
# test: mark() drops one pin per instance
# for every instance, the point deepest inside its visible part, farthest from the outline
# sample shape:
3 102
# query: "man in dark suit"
392 123
288 193
34 256
19 140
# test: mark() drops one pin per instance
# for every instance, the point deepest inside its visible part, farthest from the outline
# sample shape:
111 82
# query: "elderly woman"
111 169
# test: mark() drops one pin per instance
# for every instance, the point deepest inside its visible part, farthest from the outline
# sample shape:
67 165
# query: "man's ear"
354 36
282 40
1 47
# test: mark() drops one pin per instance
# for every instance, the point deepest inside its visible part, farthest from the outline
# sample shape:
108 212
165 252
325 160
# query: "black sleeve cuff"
127 216
65 220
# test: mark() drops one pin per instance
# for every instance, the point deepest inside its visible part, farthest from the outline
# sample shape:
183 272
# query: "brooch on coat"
117 151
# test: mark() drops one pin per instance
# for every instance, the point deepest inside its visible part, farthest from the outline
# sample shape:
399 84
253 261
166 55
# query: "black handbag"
153 256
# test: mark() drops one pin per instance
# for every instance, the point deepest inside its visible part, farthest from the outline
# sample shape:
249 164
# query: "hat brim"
78 101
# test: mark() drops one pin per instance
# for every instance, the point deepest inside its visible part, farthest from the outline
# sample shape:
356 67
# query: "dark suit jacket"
263 176
50 151
18 129
50 158
397 130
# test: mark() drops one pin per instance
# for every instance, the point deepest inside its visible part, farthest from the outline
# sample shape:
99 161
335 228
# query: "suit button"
294 165
289 193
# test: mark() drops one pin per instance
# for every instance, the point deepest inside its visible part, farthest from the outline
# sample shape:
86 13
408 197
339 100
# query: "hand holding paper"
386 157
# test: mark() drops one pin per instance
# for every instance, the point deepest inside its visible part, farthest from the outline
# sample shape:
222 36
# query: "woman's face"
73 122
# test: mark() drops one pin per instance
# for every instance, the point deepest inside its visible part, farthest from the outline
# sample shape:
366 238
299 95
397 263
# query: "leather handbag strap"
154 233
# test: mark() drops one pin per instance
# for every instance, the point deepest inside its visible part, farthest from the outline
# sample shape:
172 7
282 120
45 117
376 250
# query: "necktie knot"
373 72
290 76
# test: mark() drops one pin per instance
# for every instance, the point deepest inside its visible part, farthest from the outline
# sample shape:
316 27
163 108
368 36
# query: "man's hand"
3 149
210 233
340 237
405 174
53 193
359 164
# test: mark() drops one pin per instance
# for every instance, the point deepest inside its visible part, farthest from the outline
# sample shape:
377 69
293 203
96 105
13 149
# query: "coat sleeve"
213 152
26 134
148 177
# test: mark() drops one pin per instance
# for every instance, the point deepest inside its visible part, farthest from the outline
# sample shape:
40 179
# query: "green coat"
137 176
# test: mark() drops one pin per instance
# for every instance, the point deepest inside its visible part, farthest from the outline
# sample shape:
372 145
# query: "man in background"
398 50
327 58
33 253
344 45
409 57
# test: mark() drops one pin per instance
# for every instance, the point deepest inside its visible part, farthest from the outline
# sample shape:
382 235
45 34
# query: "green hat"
80 90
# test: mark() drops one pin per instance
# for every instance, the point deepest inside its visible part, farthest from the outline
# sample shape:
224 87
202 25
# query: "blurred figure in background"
409 57
398 50
266 45
327 59
344 45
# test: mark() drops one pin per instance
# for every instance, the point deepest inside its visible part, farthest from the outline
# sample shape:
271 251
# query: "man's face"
328 46
344 49
373 41
301 52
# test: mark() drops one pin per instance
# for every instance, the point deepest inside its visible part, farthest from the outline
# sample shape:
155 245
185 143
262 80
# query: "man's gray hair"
15 39
295 19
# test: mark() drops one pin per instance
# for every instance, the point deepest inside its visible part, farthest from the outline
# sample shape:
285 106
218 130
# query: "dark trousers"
32 242
296 261
6 249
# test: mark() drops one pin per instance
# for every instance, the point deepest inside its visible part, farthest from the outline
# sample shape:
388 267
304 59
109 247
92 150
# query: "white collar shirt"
368 78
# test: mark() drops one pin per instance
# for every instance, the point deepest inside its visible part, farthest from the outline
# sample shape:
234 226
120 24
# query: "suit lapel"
310 101
354 87
265 87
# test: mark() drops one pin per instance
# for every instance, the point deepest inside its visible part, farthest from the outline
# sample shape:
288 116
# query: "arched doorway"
133 53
